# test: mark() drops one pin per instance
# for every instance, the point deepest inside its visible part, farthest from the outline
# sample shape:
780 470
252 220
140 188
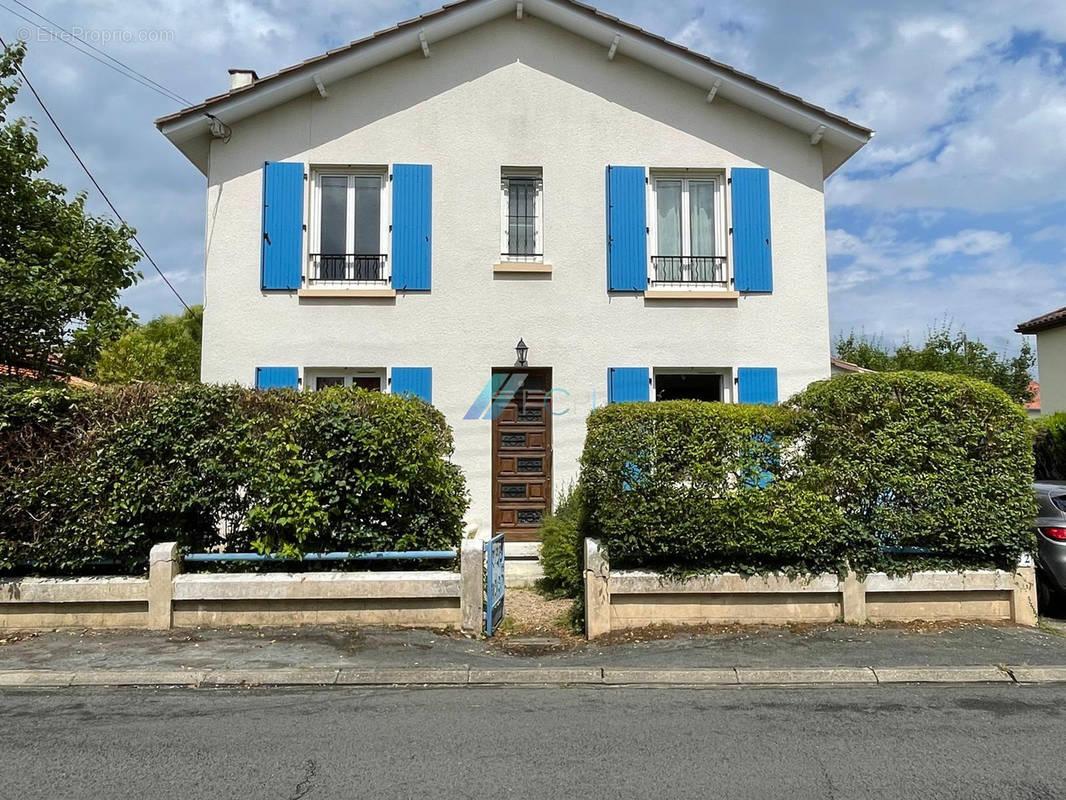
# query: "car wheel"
1047 599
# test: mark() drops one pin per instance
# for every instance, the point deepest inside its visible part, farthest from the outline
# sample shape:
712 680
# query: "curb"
534 676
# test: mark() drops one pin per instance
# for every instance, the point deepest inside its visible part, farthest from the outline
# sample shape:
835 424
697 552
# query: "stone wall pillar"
472 589
853 599
163 566
597 591
1023 598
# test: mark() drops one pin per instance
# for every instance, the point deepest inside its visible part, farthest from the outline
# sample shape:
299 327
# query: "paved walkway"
314 655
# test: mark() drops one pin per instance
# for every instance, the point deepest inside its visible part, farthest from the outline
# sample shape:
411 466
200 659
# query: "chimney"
239 78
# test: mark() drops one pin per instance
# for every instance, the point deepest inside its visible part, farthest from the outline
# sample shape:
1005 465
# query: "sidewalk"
379 656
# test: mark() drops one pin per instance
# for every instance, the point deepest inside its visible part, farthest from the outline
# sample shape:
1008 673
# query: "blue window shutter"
757 385
276 377
627 230
412 226
752 261
413 380
283 225
627 384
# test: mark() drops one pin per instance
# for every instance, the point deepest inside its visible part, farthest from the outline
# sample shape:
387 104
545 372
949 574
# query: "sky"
955 212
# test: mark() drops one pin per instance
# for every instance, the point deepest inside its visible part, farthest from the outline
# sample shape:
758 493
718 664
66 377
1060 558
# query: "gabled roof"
194 122
1052 319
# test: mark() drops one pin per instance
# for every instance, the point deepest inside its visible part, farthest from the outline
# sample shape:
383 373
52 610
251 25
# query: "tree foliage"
61 268
945 350
164 350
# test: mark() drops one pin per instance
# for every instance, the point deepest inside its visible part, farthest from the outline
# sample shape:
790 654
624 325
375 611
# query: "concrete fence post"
1023 597
163 566
472 588
853 599
597 591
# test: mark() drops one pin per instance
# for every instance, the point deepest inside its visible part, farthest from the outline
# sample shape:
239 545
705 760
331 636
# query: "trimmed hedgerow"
888 471
691 486
356 471
1050 447
90 479
940 463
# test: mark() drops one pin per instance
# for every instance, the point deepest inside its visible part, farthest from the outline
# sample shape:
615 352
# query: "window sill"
346 293
690 294
521 266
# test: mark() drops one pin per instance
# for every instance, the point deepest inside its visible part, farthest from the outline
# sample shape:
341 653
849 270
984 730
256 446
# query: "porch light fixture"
520 350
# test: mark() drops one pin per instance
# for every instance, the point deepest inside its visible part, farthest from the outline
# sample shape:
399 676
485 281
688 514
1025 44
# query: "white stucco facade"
1051 360
516 92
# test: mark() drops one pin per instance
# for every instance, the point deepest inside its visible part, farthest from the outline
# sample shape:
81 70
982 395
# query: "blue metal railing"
407 555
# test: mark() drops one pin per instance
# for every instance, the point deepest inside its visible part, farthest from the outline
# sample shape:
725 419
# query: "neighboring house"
1050 330
838 366
401 212
1032 408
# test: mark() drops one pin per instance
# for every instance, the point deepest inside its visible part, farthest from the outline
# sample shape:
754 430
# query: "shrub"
923 460
693 486
561 547
1049 448
102 475
356 470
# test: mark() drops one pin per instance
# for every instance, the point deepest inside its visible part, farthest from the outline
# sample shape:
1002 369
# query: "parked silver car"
1051 541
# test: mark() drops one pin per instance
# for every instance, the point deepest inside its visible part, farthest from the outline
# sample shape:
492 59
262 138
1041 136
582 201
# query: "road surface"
1001 741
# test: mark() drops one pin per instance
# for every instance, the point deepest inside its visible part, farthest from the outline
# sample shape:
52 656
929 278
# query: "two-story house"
401 213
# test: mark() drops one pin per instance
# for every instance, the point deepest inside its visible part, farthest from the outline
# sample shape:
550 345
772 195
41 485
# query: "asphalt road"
884 742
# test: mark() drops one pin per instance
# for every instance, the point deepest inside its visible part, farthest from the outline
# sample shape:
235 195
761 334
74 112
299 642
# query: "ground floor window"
320 378
708 385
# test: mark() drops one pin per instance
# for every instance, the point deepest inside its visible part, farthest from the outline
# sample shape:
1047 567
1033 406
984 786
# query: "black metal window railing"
690 269
348 268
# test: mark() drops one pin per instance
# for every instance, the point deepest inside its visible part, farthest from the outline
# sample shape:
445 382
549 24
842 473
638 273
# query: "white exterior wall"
1051 361
515 93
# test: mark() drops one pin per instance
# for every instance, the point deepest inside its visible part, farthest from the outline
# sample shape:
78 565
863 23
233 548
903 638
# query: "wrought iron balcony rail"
690 269
348 268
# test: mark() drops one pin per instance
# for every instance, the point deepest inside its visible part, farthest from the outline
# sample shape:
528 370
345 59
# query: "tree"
945 350
165 350
61 268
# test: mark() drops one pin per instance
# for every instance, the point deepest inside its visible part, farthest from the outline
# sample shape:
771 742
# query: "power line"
103 194
122 69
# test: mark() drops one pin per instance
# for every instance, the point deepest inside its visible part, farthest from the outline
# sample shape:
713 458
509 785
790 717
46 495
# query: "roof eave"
846 137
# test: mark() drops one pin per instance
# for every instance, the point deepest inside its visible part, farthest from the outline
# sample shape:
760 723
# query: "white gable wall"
515 93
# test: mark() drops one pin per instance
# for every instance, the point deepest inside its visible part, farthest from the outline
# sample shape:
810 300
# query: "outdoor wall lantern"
520 350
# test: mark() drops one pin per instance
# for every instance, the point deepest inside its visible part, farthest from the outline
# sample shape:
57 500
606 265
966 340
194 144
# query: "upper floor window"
349 234
687 232
521 208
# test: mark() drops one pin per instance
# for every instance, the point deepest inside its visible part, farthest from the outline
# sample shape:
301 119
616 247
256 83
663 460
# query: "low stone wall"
170 599
617 600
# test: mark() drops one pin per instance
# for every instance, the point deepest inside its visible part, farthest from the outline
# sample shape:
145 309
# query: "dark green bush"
357 471
1050 447
692 486
561 547
924 460
101 475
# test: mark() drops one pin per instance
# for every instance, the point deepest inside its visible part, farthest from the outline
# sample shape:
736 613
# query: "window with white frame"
318 378
349 231
711 385
687 244
521 207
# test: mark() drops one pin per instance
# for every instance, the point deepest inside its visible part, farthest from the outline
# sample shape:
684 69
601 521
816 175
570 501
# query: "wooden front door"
522 455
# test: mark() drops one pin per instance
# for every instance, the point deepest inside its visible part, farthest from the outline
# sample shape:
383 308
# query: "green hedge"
924 460
851 466
684 485
561 554
1050 447
91 476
